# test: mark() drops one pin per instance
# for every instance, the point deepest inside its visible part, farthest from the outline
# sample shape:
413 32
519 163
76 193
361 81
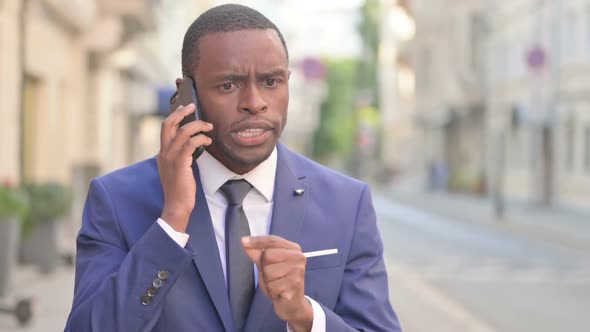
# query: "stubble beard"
224 153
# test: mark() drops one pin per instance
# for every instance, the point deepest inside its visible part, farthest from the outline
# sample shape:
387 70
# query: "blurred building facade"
396 80
447 56
77 79
540 98
502 97
10 83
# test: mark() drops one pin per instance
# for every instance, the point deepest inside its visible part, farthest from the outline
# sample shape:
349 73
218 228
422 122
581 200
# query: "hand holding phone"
186 95
182 139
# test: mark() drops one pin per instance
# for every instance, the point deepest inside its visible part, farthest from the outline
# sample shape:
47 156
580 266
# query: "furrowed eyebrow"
278 72
233 77
259 76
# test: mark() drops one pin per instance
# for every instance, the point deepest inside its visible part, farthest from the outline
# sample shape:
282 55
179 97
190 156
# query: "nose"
252 101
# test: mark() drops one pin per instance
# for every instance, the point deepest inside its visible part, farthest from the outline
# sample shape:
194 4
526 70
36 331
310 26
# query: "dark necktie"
240 270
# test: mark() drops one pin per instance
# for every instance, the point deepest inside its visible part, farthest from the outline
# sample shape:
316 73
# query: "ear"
175 94
178 82
288 74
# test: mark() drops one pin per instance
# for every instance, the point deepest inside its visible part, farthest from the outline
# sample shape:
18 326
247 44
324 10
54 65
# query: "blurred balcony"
137 15
77 14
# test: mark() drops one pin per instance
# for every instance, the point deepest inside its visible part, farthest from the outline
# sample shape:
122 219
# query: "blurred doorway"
30 132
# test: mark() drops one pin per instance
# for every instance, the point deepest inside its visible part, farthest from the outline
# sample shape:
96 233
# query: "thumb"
254 254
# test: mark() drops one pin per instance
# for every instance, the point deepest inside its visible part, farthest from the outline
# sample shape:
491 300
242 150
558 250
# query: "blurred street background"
469 118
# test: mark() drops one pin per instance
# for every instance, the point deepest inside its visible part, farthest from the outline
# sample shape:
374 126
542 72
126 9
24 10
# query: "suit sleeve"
363 303
112 280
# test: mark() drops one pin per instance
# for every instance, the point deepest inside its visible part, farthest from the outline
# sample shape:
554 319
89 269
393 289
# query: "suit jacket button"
152 291
158 282
163 274
145 300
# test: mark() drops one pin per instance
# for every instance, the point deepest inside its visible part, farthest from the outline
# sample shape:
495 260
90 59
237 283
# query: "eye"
227 86
271 82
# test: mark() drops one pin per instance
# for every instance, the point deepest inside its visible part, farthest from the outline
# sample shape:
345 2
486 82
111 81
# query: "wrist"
178 220
303 322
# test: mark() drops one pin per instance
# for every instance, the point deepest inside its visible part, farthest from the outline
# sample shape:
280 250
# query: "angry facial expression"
242 80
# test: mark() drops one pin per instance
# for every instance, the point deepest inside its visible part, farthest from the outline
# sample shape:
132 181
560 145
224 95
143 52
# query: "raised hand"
281 276
175 165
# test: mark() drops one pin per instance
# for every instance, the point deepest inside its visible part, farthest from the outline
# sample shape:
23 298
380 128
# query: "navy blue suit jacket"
121 248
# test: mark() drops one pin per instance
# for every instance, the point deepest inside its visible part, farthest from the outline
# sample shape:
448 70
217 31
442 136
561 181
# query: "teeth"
250 132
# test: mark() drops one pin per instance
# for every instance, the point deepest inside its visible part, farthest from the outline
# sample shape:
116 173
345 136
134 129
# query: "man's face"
242 80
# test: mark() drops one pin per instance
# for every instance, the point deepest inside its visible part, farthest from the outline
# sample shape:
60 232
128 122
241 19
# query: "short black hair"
224 18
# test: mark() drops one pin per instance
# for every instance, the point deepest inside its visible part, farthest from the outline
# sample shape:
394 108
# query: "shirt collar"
214 174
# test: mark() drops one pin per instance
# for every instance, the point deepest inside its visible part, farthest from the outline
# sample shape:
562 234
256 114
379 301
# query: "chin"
242 160
252 157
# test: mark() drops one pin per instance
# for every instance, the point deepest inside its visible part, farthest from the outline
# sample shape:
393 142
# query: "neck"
232 165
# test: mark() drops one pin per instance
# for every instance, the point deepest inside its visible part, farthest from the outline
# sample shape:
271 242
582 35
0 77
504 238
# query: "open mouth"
249 133
251 136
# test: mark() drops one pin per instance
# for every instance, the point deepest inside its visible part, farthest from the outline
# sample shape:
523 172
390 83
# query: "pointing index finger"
268 241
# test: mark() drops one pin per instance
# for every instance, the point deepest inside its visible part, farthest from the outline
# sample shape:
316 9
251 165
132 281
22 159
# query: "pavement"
421 307
560 225
51 295
452 275
412 294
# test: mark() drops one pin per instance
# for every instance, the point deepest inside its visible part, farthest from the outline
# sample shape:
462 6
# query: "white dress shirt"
257 205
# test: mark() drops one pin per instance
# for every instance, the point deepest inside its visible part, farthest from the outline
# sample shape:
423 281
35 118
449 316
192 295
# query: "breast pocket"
323 262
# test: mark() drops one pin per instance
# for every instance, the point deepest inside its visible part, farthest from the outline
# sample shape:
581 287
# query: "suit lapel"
287 218
202 240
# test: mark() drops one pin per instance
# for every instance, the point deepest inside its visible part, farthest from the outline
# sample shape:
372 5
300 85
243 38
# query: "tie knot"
235 191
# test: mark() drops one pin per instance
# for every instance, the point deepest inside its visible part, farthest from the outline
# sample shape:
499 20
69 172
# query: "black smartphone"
185 95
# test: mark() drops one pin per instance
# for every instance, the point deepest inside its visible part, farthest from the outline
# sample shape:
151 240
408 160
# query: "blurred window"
518 48
500 62
30 127
555 44
522 146
513 57
476 41
570 133
534 154
406 81
571 27
424 69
